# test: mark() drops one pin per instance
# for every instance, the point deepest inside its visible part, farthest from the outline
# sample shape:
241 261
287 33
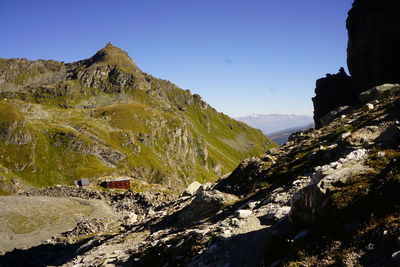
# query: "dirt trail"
29 221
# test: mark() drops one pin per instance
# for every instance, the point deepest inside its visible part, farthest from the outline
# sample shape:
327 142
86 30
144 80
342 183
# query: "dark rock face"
373 55
333 91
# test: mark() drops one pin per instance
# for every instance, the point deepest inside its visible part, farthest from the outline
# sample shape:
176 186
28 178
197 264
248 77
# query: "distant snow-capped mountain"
271 123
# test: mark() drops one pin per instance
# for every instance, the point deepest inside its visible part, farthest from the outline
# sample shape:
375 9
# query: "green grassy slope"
103 116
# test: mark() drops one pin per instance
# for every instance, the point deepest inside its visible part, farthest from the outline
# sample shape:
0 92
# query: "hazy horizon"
272 123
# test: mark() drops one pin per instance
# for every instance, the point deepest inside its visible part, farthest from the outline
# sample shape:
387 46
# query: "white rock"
131 218
252 204
278 212
224 224
381 154
332 146
325 168
226 234
335 165
151 212
192 189
354 155
241 214
295 182
370 106
280 198
206 186
345 135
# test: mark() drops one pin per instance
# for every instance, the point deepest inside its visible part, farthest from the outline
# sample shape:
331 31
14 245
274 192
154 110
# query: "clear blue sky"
241 56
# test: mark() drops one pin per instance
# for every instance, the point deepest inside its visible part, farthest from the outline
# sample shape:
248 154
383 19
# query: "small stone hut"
82 182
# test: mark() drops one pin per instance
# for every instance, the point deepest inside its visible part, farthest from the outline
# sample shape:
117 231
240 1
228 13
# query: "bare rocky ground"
118 237
49 221
30 221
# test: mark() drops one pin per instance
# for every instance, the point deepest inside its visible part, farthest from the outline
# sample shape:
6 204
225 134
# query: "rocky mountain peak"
111 70
112 56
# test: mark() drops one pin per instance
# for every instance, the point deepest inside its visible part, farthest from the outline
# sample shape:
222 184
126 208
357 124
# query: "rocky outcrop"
332 92
379 93
86 145
374 39
19 72
205 204
312 204
341 111
15 133
372 56
13 127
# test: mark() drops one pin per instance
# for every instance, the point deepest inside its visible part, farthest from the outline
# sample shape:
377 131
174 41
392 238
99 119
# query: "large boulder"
204 204
192 189
312 204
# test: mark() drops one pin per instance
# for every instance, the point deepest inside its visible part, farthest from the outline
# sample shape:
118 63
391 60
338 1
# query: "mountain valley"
206 190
